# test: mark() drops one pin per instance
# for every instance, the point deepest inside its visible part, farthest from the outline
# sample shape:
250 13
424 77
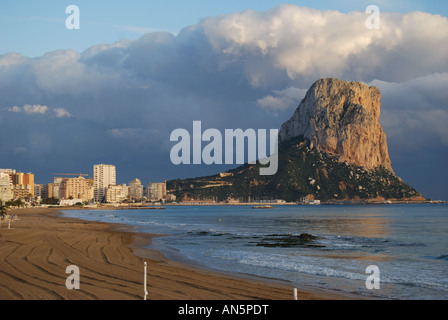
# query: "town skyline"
75 174
72 188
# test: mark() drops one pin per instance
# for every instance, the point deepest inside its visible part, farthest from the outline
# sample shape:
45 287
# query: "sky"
113 90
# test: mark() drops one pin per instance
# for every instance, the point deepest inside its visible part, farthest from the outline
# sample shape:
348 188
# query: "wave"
315 267
442 257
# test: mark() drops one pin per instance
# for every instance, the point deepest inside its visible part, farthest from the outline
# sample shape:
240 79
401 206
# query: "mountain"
332 149
342 118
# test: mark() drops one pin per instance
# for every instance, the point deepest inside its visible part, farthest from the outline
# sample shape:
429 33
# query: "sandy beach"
36 251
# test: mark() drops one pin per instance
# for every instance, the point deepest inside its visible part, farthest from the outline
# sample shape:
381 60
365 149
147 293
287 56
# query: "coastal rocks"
288 241
341 118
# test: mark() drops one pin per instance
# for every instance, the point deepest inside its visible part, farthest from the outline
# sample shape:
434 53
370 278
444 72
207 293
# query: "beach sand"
36 251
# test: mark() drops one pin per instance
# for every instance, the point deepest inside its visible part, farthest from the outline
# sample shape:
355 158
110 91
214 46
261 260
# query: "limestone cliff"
341 118
332 149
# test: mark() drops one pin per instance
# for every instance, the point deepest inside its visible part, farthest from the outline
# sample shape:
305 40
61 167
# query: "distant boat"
263 207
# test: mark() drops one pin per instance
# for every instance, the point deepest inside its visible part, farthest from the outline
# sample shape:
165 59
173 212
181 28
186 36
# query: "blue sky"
70 99
33 28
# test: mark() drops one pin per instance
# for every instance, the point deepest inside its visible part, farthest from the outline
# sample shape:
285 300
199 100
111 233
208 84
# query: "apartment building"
104 175
77 188
156 191
117 194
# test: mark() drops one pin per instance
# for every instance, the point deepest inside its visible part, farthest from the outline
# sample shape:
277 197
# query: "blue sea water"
408 243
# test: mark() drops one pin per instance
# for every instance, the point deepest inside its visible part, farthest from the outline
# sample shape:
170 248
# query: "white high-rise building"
104 175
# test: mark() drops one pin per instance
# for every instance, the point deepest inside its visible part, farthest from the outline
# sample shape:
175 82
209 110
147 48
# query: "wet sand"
36 251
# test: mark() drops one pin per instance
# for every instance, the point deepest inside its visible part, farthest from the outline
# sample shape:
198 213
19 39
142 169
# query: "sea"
326 247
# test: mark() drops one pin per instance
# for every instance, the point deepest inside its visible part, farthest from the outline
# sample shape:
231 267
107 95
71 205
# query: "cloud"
306 42
62 113
32 109
11 59
14 109
40 110
29 109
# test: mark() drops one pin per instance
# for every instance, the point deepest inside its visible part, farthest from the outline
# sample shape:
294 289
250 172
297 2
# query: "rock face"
332 149
341 118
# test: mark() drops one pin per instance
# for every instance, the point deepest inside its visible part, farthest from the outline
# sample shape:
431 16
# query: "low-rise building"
69 202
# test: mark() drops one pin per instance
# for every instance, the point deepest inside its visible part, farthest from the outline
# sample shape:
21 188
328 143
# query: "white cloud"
38 109
11 59
62 113
14 109
29 109
308 42
102 47
32 109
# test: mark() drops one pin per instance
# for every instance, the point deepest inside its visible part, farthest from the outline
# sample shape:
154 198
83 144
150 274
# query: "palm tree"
2 209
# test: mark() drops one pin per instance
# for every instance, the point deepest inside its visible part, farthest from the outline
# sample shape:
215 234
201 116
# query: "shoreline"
146 206
35 252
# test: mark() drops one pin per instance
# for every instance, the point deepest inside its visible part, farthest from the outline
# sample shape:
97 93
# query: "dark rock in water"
287 241
307 237
199 233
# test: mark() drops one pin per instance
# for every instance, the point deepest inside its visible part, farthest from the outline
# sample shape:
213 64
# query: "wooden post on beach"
144 282
296 296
